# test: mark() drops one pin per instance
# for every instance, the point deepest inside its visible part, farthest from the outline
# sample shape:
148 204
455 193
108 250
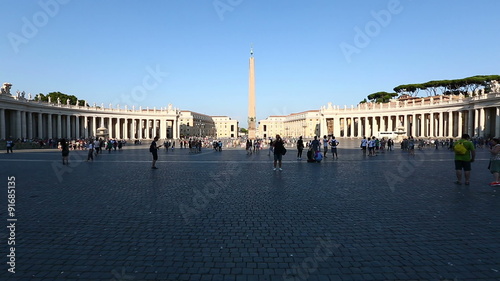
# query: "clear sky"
194 54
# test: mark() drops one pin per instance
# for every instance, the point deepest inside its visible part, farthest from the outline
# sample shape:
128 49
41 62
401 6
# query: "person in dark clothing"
279 149
300 147
153 148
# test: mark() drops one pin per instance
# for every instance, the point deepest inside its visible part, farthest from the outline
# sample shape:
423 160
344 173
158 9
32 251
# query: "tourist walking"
495 161
279 150
65 151
325 145
9 145
153 148
315 144
464 156
333 144
300 148
363 145
90 147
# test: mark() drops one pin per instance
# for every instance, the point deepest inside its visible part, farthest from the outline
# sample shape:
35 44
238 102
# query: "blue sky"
194 54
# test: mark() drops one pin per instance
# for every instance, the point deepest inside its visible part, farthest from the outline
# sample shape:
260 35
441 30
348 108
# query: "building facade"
225 127
304 124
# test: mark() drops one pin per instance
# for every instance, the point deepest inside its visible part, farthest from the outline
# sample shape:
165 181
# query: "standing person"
300 148
153 148
90 147
411 146
271 147
325 145
363 145
464 156
315 144
334 143
65 151
109 145
371 147
9 145
495 161
279 148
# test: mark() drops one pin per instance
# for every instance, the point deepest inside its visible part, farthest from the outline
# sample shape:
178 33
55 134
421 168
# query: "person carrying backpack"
464 156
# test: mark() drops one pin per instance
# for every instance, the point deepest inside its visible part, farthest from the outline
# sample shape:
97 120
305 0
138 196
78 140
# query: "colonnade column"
163 128
23 124
30 125
68 126
94 128
77 127
139 127
118 128
470 122
440 125
125 131
460 124
497 122
422 125
40 125
110 126
2 124
85 127
154 129
49 126
359 127
174 129
18 125
431 125
451 123
382 124
481 124
132 129
390 126
413 125
336 126
476 123
59 126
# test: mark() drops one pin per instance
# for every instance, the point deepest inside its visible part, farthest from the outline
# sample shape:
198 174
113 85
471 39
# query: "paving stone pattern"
229 216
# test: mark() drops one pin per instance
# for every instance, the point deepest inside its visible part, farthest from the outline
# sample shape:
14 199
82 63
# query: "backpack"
459 148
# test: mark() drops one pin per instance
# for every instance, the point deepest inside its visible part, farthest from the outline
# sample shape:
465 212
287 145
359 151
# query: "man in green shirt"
464 156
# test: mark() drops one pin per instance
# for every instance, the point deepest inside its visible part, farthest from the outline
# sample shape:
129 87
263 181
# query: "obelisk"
251 99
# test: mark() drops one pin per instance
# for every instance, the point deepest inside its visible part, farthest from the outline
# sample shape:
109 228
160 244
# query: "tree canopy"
466 86
381 97
62 97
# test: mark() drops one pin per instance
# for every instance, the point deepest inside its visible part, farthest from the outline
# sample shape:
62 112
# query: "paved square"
229 216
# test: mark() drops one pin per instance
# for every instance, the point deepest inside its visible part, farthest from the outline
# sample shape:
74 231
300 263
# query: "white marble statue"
5 90
67 102
58 100
495 86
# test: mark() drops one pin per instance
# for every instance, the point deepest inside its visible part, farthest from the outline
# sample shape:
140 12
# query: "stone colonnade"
34 120
434 117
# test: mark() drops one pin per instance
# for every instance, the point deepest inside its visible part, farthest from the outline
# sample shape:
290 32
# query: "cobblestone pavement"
229 216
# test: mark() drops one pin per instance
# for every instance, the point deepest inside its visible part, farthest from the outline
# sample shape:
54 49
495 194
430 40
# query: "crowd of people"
317 149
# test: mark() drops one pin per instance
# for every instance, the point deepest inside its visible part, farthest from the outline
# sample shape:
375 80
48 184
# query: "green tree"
381 97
